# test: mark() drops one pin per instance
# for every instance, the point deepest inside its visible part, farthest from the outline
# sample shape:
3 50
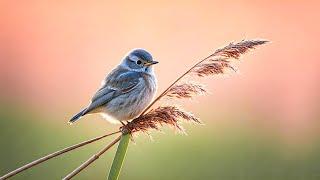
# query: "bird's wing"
113 86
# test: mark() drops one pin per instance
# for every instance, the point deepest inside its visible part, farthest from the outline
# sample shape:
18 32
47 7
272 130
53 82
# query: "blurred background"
262 123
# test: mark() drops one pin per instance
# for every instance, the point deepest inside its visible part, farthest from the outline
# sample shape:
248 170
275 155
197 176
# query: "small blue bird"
126 91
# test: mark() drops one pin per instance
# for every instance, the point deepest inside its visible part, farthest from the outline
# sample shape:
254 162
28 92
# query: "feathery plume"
234 50
186 90
155 118
219 61
212 67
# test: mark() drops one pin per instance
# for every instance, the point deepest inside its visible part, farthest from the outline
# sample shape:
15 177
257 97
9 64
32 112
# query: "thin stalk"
119 157
91 160
172 84
52 155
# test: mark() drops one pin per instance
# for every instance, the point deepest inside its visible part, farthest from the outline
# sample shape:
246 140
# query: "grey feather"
114 87
77 116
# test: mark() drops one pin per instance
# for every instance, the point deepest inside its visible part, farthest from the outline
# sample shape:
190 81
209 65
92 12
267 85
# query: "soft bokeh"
262 123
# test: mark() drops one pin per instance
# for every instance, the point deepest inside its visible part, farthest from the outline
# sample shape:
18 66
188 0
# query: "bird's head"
139 60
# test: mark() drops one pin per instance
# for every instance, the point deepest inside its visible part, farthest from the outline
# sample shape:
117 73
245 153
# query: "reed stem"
119 157
91 160
52 155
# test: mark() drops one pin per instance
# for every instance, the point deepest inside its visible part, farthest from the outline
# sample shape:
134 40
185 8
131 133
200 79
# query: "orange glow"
56 53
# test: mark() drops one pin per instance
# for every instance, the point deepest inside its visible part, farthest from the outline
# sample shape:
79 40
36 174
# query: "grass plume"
235 50
186 90
163 115
213 67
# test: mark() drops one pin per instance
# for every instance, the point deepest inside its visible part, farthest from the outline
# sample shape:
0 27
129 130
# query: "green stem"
119 157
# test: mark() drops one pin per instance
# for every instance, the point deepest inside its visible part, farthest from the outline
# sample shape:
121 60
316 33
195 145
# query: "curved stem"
91 160
52 155
172 84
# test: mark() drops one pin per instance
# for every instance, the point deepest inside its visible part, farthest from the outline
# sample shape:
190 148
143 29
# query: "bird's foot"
125 128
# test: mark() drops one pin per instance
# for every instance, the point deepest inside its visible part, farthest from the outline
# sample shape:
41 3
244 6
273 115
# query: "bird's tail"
77 116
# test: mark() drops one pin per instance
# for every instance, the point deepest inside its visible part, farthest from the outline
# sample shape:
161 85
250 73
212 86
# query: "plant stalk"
52 155
91 160
172 84
119 157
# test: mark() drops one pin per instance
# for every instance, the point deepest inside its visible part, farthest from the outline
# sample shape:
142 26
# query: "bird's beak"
151 63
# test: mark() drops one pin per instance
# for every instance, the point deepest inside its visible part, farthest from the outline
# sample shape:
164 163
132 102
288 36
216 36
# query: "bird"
126 91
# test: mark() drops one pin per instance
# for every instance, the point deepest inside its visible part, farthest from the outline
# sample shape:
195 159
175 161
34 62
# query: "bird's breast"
150 83
131 104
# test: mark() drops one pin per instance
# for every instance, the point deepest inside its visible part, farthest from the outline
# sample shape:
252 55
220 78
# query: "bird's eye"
139 62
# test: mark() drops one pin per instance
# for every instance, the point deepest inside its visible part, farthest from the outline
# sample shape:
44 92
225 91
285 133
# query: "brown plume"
234 50
212 67
163 115
186 90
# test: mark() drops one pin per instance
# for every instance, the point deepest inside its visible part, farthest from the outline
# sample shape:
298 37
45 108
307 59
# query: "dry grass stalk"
91 159
234 50
52 155
220 60
186 90
213 67
214 63
164 115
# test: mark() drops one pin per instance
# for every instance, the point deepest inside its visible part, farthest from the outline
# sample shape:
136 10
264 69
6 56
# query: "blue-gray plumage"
126 91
